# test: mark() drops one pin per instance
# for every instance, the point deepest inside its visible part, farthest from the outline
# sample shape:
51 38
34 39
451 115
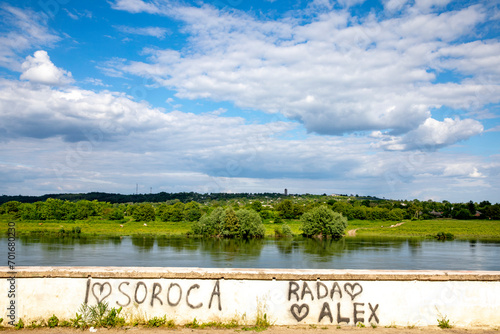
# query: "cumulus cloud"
39 69
21 30
431 135
334 73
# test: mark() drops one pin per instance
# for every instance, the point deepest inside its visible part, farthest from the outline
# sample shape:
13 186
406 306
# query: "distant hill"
138 198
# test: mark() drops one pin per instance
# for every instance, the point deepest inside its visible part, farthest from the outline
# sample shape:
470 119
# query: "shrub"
53 321
444 236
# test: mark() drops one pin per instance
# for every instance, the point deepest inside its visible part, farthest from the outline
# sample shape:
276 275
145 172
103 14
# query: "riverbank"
461 229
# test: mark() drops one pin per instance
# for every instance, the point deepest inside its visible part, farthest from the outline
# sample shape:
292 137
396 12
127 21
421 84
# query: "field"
462 229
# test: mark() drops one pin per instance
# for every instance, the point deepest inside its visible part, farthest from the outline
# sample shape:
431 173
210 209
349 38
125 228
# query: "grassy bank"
462 229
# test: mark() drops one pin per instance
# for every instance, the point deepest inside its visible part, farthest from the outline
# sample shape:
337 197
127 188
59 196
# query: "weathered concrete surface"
288 297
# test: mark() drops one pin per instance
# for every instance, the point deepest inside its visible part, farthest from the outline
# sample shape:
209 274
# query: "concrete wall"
288 297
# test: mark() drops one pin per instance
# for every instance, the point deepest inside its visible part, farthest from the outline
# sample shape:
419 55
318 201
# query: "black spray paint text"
345 312
173 294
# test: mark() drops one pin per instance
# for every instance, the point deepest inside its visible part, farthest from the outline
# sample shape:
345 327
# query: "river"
298 253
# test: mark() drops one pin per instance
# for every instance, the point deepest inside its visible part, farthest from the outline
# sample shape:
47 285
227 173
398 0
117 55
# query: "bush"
20 324
322 221
444 236
99 315
156 322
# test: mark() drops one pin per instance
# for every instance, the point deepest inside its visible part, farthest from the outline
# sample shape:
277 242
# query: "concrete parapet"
286 296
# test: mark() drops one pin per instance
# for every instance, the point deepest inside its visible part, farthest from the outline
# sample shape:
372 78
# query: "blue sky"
392 98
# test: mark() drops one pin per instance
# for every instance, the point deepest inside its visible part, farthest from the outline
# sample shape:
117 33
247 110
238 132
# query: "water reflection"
143 244
347 253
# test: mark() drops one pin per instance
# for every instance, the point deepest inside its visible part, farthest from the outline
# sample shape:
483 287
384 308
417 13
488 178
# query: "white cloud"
23 29
76 15
95 82
493 129
71 139
135 6
39 69
394 5
432 134
157 32
333 74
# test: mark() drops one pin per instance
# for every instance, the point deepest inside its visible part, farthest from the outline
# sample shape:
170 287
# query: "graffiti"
154 294
309 301
347 311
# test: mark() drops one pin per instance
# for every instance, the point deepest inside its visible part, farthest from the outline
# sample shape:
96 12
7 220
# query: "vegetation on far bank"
256 216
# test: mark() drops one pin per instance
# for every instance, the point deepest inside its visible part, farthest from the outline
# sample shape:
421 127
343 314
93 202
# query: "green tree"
322 221
31 211
471 206
256 205
164 211
53 209
285 209
344 208
493 211
144 212
231 223
461 214
192 211
210 224
396 214
177 212
11 207
359 212
115 214
85 209
243 223
250 224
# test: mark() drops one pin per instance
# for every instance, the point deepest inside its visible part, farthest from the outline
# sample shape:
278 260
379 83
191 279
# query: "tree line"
276 208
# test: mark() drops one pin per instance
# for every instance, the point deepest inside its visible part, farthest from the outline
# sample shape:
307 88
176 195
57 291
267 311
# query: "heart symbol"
100 289
352 287
297 311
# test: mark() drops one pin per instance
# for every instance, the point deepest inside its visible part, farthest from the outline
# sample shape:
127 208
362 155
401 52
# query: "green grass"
461 229
96 226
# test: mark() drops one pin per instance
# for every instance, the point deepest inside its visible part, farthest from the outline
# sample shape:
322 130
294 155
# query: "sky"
391 98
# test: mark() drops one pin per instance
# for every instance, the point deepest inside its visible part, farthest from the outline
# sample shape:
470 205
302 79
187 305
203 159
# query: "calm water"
348 253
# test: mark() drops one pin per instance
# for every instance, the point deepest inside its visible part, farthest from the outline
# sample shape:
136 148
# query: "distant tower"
136 188
286 192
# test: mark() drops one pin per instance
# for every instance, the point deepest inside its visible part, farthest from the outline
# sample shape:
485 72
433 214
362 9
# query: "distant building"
286 192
